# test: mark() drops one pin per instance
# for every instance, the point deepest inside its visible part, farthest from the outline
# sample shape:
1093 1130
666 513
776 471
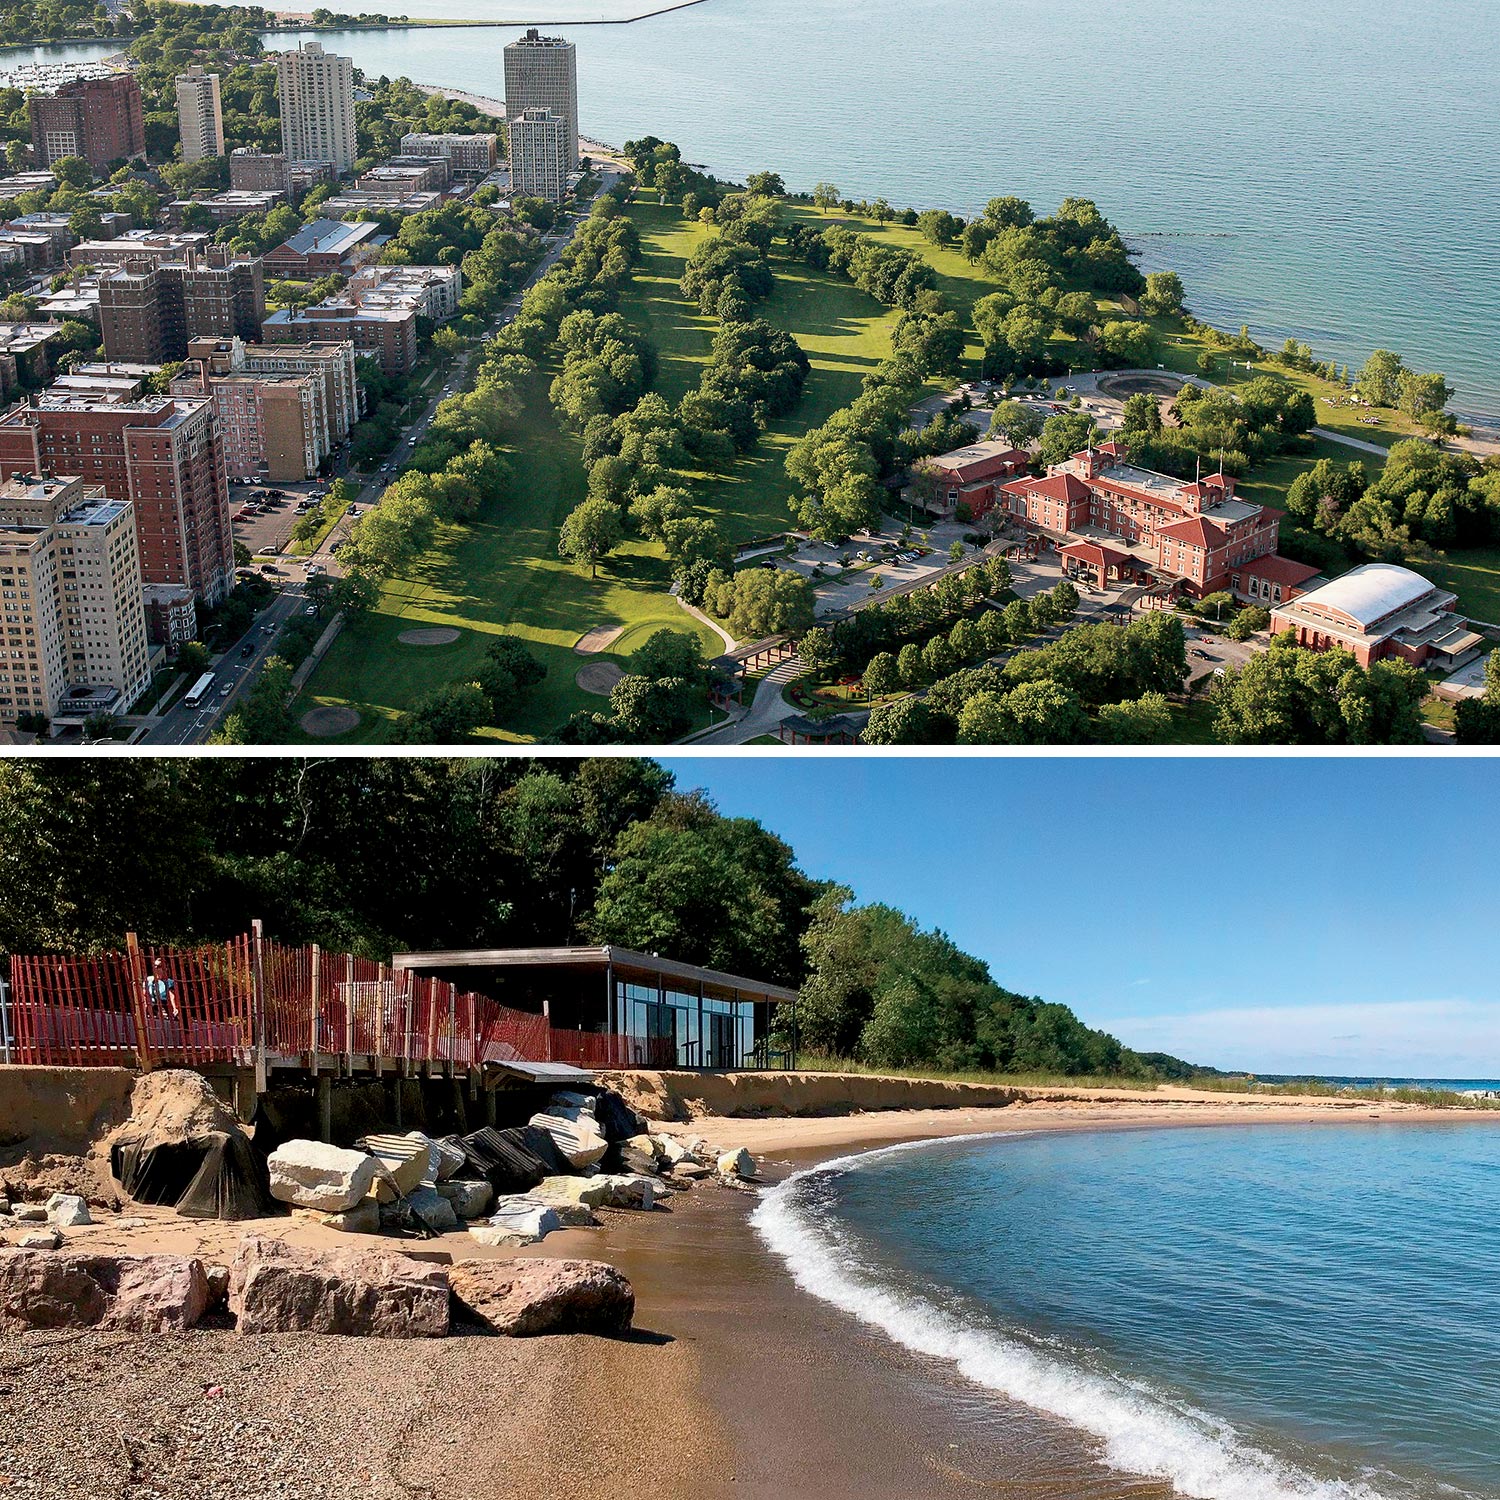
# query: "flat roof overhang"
623 961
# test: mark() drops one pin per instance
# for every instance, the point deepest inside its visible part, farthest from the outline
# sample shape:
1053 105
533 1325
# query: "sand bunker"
329 720
598 677
601 638
433 635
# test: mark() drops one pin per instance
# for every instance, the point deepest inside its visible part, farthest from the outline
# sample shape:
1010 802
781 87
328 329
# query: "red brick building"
1382 610
99 119
388 333
162 453
1120 523
971 477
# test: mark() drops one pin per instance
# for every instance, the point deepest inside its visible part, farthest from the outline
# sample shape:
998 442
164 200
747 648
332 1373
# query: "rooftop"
1370 593
328 237
622 961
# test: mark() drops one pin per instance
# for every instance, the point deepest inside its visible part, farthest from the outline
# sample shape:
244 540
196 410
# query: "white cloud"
1391 1039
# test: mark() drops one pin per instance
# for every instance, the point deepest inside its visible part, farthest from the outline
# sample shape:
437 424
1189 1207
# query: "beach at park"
734 1381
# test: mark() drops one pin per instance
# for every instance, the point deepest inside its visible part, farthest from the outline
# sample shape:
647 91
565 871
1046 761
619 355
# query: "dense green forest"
392 854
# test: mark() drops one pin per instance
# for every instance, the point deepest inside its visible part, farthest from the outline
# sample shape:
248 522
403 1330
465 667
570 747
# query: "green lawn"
502 573
1474 576
844 332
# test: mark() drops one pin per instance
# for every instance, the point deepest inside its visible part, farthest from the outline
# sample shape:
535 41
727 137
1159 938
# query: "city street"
184 726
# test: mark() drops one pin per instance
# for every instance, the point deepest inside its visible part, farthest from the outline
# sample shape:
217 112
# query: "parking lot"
886 555
269 531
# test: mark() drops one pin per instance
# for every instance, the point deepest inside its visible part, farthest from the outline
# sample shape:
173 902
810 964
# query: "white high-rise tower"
316 89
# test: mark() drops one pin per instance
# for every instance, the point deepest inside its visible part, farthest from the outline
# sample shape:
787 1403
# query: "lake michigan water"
1323 168
1248 1313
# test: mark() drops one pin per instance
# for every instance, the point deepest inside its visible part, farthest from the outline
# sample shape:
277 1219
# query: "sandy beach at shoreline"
735 1383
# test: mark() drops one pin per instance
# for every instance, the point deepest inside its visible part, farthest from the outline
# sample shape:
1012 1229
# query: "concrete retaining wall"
58 1108
682 1095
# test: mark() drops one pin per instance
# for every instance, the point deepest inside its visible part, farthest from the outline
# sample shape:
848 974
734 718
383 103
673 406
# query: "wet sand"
737 1383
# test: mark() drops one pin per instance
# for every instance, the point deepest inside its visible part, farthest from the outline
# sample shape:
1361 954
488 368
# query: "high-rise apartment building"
200 119
541 72
99 119
149 308
281 411
162 453
316 90
539 155
72 612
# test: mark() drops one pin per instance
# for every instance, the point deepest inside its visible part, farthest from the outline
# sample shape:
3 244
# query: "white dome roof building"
1379 610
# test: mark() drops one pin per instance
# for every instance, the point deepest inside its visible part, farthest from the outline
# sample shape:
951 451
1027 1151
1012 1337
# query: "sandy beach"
734 1383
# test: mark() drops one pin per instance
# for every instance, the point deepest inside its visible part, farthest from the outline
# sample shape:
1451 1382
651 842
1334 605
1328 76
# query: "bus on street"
199 690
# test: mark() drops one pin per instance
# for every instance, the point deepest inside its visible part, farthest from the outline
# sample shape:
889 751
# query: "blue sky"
1331 916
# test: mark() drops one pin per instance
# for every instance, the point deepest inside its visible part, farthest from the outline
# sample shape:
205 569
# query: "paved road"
192 726
183 726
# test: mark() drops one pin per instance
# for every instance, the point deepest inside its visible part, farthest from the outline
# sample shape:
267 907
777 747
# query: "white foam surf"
1141 1430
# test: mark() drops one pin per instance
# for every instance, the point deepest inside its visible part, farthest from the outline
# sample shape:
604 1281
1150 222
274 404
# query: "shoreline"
736 1382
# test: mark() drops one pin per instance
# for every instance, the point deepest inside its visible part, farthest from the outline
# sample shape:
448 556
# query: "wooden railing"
252 1002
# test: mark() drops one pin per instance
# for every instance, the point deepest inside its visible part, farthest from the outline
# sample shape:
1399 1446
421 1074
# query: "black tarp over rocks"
182 1148
617 1120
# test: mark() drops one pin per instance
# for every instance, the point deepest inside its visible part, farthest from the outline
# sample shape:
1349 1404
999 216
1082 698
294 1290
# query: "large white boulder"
570 1104
573 1199
470 1197
578 1141
443 1159
671 1150
67 1210
404 1158
363 1218
516 1221
591 1192
737 1163
309 1174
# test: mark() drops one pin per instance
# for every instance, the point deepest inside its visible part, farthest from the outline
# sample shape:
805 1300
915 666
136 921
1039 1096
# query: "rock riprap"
133 1293
278 1288
308 1174
525 1297
516 1221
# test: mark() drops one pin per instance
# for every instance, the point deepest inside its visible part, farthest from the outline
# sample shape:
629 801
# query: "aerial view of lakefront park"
520 1128
799 375
748 750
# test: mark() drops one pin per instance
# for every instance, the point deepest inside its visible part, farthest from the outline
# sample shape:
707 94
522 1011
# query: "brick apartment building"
281 413
389 334
273 171
1115 521
149 308
468 155
971 477
25 356
161 453
72 615
99 119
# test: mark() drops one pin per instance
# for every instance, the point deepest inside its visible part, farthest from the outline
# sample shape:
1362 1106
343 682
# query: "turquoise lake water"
1317 167
1249 1313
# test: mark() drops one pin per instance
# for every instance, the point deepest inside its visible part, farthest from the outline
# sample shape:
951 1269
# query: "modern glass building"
627 1008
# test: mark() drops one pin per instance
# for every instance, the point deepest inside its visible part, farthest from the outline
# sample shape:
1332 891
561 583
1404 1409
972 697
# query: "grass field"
502 573
844 333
